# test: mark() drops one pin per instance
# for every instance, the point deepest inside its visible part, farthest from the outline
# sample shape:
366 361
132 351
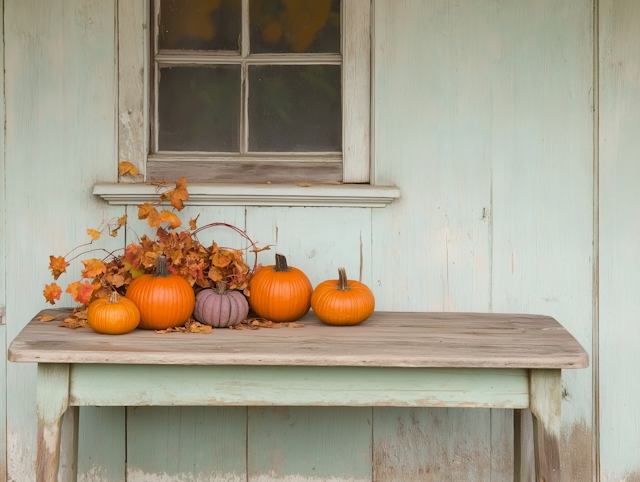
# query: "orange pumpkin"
114 316
280 293
342 302
165 300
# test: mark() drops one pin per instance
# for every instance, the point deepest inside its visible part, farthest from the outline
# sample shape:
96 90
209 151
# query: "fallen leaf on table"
45 318
73 323
295 325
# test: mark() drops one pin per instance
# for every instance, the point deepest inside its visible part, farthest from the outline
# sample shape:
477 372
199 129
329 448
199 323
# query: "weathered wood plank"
245 171
541 118
68 470
431 248
199 444
3 403
53 400
545 389
309 444
60 85
462 340
407 450
619 48
168 385
101 444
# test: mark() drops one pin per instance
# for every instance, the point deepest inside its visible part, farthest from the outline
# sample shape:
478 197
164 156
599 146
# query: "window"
248 90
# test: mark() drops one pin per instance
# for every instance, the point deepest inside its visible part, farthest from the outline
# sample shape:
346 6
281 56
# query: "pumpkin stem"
221 287
114 298
343 284
281 264
161 267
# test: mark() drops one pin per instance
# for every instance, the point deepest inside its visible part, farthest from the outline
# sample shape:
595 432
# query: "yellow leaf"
125 167
94 234
46 318
172 219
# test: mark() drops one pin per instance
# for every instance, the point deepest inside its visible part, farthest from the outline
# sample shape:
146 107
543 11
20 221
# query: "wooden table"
393 359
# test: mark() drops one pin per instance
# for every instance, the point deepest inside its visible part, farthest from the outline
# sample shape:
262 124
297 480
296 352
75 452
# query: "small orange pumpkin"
114 316
342 302
165 300
280 293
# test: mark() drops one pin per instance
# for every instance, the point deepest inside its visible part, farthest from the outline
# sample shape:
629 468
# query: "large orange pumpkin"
342 302
114 316
165 300
280 293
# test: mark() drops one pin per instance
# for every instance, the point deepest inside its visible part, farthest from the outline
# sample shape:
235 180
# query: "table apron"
181 385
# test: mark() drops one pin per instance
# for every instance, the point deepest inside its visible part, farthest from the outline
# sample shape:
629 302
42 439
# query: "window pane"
200 24
295 108
199 109
296 26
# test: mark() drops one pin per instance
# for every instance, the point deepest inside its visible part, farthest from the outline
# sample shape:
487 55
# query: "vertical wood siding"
482 118
60 139
619 240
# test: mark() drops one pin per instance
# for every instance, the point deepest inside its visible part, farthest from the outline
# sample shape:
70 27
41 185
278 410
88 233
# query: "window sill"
320 195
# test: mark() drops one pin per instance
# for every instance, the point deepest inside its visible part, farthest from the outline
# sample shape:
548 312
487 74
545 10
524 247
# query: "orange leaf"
192 223
178 195
121 222
57 266
172 219
81 292
93 268
148 212
215 274
125 167
94 234
52 292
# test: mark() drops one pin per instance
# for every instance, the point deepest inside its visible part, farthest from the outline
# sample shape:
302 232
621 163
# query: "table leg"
545 392
52 402
68 471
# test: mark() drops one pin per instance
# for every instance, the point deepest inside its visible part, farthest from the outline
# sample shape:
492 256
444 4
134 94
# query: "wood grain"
545 388
619 330
61 130
385 340
245 171
53 400
191 443
309 444
68 470
170 385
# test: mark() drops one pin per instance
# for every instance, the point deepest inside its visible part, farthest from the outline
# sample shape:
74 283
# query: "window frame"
136 87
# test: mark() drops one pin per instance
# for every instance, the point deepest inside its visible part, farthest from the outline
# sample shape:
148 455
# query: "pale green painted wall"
484 119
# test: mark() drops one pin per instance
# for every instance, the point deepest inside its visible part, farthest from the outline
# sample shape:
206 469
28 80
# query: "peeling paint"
628 477
576 453
138 475
273 477
94 474
21 466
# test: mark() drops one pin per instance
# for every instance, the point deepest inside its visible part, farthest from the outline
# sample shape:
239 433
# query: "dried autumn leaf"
73 323
93 268
52 292
178 195
57 266
94 234
192 223
116 280
150 213
172 219
121 222
46 318
294 325
125 167
81 292
258 250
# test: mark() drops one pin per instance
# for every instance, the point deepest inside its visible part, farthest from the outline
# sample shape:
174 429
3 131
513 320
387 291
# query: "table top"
385 340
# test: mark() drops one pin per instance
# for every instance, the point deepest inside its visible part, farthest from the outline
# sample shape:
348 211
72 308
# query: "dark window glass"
295 108
295 26
199 109
200 24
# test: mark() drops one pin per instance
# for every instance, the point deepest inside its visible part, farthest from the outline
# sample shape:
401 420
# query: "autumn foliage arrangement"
202 267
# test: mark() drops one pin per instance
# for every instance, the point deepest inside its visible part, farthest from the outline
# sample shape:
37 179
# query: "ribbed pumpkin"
220 308
280 293
165 300
342 302
114 316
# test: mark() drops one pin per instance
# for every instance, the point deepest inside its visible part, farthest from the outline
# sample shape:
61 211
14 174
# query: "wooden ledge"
321 195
